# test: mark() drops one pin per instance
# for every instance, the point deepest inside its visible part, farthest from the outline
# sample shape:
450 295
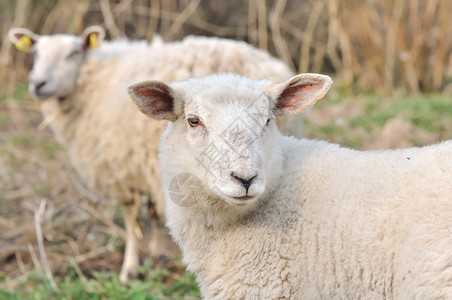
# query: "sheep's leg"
160 246
131 260
154 242
154 239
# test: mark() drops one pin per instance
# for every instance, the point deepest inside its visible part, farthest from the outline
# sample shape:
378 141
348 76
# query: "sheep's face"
228 139
57 59
223 129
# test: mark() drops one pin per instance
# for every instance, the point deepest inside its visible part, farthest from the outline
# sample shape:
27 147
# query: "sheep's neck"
63 116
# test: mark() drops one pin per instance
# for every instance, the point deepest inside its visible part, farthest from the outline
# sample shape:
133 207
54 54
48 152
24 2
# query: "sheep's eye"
268 122
194 121
73 53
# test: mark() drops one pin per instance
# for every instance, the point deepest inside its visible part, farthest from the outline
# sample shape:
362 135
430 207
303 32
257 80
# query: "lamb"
87 106
262 216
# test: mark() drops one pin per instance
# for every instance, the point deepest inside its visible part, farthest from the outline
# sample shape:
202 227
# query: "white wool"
322 222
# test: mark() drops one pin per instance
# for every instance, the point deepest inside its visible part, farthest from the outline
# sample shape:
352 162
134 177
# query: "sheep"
84 84
262 216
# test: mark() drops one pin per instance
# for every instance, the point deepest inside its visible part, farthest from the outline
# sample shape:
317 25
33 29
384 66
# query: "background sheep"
90 113
274 217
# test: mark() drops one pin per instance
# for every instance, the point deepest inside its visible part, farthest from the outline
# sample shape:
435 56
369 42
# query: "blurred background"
391 61
370 45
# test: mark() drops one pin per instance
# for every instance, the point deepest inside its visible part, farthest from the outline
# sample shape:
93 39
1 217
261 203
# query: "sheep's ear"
22 38
299 93
155 99
92 37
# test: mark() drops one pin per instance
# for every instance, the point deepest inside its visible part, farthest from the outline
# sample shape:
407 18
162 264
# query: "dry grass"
49 221
44 208
369 45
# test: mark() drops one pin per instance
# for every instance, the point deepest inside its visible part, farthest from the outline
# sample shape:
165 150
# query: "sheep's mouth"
42 96
243 198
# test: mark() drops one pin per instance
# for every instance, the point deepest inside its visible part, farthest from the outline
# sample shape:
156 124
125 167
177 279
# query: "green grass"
21 92
20 142
431 113
4 121
427 112
47 149
104 285
41 189
23 141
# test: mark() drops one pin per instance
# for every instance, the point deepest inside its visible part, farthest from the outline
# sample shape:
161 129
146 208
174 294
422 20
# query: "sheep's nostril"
39 85
246 183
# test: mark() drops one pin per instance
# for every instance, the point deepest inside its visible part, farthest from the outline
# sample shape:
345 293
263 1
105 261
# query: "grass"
4 121
104 285
23 141
21 92
429 112
366 117
35 167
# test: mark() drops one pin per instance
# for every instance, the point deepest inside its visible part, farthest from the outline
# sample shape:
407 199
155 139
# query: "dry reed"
369 45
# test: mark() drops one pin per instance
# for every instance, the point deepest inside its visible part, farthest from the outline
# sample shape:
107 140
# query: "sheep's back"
115 146
372 223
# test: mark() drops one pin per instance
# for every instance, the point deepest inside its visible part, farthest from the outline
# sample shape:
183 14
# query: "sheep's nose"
39 85
246 183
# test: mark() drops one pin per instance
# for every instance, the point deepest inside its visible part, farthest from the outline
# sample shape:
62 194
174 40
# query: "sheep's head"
57 59
222 128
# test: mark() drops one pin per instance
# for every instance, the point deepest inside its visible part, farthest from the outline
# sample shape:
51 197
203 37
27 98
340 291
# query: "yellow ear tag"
93 43
24 43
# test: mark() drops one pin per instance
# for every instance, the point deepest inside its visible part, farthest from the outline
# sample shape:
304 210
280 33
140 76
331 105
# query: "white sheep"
262 216
87 106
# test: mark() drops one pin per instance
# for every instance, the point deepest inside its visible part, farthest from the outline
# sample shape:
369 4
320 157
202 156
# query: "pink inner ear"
158 99
161 105
292 96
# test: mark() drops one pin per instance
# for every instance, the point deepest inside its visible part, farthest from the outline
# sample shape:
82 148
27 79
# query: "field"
57 239
391 61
